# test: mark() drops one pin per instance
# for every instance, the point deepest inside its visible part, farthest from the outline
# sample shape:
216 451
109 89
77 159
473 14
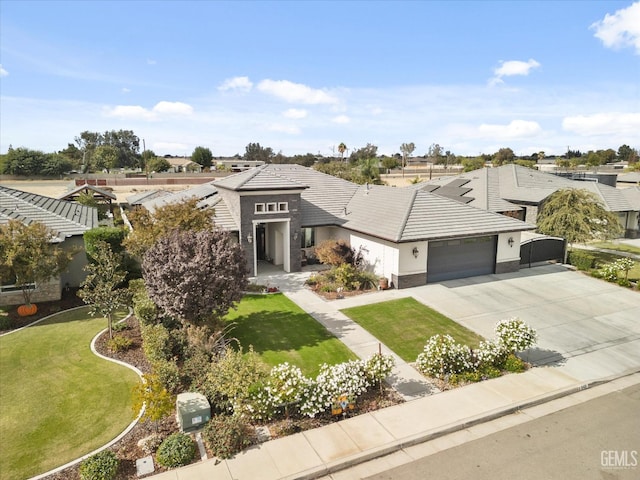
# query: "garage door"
468 257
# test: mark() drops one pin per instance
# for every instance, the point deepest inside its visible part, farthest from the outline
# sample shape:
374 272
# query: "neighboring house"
67 220
140 198
411 237
628 179
519 192
237 164
183 164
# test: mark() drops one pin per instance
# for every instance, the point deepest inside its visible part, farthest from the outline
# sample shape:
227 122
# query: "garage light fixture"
249 238
415 252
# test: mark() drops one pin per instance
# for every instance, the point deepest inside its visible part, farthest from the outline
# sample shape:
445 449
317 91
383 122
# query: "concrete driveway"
576 316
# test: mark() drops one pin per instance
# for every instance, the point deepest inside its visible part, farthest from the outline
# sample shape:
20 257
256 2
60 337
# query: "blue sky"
303 76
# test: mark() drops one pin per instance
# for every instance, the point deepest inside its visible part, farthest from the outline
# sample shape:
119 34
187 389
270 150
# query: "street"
598 439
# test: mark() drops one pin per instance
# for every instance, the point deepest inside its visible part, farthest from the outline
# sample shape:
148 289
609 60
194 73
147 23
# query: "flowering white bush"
378 367
288 386
443 356
515 335
609 272
489 353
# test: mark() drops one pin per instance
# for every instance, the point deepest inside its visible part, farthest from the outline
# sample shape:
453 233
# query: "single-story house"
519 192
183 164
279 213
67 220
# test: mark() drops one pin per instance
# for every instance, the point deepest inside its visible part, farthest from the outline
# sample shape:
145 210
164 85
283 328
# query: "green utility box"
192 411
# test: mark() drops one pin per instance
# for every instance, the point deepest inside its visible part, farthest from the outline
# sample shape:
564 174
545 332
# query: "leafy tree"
472 163
158 164
578 216
157 401
114 236
24 161
106 157
526 163
364 153
126 143
203 156
389 163
195 276
102 288
55 165
254 151
503 156
149 227
434 154
627 154
369 171
28 256
145 158
306 160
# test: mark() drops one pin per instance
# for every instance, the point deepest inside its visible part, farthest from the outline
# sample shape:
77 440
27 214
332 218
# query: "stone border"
119 437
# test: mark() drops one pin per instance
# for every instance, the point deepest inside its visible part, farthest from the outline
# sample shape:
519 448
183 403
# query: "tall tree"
342 148
434 154
254 151
203 156
503 156
106 157
103 287
196 276
578 216
149 227
365 153
406 149
472 163
28 256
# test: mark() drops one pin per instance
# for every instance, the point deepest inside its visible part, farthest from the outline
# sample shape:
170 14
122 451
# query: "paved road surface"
566 445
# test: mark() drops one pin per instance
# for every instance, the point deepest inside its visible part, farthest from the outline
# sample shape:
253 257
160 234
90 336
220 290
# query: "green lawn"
619 247
280 331
58 401
405 325
602 258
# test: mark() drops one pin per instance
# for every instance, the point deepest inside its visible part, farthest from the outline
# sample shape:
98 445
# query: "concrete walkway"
589 334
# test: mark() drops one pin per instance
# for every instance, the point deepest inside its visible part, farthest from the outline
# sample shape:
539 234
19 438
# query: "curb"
377 452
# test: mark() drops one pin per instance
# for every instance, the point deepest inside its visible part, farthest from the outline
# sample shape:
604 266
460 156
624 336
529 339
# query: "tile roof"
63 218
87 187
259 178
139 198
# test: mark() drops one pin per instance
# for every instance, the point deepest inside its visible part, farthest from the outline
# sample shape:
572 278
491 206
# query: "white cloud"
341 119
242 84
126 90
296 92
160 110
295 113
622 29
515 129
608 123
277 127
513 67
3 72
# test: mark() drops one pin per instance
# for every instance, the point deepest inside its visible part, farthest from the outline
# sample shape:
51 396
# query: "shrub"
625 264
145 310
101 466
347 276
332 252
157 343
623 282
227 435
490 353
5 323
176 451
378 367
443 356
581 260
513 364
168 374
609 272
119 343
119 327
515 335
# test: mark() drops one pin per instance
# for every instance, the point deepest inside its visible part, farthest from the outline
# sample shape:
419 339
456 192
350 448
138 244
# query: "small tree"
203 156
28 256
102 288
332 252
157 401
195 276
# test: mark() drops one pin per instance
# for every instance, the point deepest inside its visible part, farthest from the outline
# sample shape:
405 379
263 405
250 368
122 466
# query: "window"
259 207
283 207
271 207
308 238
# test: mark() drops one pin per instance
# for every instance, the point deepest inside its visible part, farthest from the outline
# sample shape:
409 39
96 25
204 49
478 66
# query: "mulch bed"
127 448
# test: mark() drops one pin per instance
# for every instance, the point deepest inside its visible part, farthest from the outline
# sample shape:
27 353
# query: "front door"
261 244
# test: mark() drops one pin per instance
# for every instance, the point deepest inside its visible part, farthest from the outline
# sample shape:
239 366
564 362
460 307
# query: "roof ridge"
414 194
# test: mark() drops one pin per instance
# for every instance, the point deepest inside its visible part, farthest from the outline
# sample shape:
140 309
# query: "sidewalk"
322 451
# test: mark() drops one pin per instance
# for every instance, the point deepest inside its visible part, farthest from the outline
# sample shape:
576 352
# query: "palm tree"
342 148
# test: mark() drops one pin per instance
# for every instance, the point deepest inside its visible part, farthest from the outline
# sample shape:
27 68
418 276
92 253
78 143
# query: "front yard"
405 325
58 401
280 331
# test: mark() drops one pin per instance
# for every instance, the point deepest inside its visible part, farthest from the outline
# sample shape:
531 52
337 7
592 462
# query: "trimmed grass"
619 247
405 325
280 331
602 258
58 401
